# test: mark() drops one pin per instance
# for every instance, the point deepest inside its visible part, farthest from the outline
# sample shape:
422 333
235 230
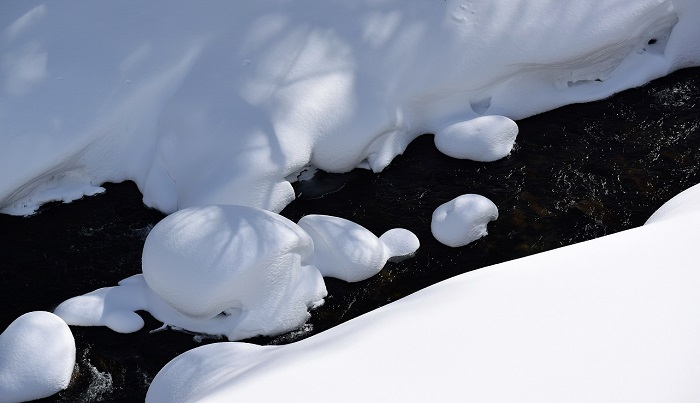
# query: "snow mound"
400 243
463 219
37 356
205 261
486 138
350 252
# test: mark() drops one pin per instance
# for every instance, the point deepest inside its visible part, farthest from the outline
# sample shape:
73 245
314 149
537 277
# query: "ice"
612 319
463 220
37 356
220 104
348 251
486 138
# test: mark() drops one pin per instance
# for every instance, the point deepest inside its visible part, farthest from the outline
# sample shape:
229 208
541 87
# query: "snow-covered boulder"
207 261
37 356
348 251
486 138
463 219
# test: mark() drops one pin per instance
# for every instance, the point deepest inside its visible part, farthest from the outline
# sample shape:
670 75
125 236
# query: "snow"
219 103
37 356
237 271
170 100
682 204
612 319
463 219
486 138
350 252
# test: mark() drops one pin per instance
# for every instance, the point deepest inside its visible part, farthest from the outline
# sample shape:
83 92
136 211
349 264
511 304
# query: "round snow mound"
486 138
37 356
463 219
204 261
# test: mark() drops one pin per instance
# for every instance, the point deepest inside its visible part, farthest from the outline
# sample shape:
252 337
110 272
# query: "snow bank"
612 319
348 251
219 103
463 219
37 356
486 138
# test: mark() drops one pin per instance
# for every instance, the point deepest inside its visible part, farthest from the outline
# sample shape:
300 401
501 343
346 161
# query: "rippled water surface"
577 173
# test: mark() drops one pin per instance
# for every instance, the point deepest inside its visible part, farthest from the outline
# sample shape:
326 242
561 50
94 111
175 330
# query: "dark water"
576 173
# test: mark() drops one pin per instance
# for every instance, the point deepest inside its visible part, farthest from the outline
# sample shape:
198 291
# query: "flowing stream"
576 173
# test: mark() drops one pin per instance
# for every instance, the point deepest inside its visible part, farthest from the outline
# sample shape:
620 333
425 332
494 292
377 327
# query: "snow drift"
219 103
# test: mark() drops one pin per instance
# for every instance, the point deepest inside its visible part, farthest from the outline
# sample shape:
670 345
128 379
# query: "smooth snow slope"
219 102
615 319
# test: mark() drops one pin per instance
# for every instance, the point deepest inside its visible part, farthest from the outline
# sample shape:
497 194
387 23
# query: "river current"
576 173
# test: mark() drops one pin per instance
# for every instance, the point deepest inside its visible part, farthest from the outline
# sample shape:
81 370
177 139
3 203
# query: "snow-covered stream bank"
71 249
229 106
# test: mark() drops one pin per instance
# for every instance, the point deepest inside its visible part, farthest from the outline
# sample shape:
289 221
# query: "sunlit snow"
463 219
219 103
612 319
486 138
37 355
237 271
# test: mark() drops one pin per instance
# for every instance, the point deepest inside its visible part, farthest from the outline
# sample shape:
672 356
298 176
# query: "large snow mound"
612 319
218 103
37 356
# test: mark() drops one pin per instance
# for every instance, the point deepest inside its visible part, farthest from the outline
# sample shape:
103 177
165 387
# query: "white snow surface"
218 103
486 138
612 319
463 219
37 356
237 271
350 252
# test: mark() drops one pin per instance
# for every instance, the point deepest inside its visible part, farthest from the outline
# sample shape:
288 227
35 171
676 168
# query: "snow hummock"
237 271
207 260
463 219
219 104
350 252
37 356
486 138
612 319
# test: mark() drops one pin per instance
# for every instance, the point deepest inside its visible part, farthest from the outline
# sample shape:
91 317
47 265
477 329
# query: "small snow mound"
400 243
37 356
463 219
486 138
344 249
